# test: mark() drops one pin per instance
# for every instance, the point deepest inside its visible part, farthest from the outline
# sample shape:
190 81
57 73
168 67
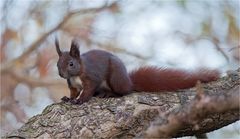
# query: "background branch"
6 66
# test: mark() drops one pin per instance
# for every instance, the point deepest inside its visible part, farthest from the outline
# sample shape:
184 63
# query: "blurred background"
186 34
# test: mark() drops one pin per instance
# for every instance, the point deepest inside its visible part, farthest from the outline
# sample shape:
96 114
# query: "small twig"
233 48
199 90
216 43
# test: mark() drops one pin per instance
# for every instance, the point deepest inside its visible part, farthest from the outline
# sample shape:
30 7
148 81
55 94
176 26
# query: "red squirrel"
97 68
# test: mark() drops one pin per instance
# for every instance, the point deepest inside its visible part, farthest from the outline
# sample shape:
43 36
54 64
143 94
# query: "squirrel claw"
65 99
79 102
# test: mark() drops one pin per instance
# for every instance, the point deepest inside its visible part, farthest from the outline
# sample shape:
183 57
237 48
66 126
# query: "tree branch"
172 114
192 114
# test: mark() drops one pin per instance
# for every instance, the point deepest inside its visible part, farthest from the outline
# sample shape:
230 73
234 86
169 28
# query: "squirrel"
87 73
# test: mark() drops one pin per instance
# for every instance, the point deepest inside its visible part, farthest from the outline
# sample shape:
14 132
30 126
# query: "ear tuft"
57 47
74 51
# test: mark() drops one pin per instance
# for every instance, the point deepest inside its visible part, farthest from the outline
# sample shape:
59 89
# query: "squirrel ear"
57 47
74 51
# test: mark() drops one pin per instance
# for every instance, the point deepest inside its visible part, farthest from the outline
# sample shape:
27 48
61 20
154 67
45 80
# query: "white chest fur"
76 82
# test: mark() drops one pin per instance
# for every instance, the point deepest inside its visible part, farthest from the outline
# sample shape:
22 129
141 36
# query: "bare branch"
109 47
34 82
190 39
40 40
195 112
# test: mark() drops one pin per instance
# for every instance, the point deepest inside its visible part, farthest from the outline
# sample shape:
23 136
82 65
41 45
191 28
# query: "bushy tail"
151 79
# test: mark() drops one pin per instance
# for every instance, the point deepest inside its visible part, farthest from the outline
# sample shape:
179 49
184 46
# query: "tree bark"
189 112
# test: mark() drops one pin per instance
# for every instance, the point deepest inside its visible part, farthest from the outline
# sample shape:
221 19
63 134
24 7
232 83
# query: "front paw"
65 99
74 101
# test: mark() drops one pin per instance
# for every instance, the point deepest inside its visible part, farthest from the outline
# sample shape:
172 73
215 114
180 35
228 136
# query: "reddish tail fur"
159 79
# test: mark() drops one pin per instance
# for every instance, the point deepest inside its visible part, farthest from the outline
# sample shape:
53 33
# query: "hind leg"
119 81
105 93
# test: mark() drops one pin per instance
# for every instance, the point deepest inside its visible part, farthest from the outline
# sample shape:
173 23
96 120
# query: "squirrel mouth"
64 76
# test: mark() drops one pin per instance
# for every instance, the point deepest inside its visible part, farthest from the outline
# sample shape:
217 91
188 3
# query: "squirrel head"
69 62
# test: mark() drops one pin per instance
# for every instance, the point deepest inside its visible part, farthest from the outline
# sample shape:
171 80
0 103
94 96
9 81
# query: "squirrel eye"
71 64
